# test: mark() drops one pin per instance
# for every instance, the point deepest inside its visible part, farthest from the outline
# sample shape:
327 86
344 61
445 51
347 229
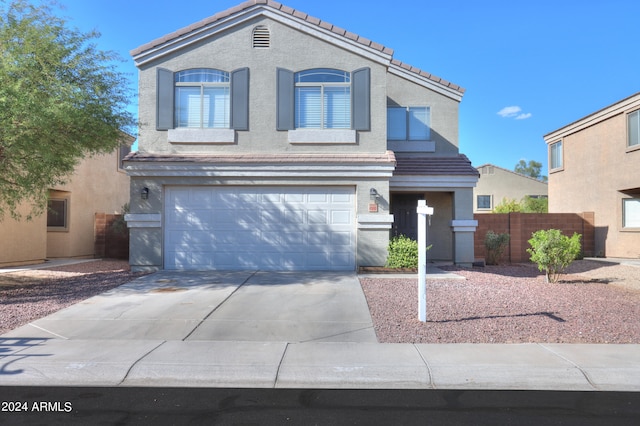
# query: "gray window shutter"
240 99
164 99
361 99
285 100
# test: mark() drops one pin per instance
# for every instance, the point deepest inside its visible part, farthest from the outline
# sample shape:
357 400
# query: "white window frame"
633 130
484 208
556 162
324 88
631 213
224 117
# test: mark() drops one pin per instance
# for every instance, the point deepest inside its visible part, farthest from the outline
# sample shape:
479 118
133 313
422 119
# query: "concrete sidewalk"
277 330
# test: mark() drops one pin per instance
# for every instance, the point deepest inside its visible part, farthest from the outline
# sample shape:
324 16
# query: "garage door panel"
272 228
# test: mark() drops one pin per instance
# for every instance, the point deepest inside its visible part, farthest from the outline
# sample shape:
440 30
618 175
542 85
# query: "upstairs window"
202 98
633 135
555 155
408 123
323 99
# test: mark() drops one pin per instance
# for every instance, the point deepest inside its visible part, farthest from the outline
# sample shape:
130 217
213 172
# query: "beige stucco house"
98 185
593 166
497 184
271 139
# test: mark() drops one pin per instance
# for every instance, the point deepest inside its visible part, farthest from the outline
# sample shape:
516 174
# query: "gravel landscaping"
28 295
596 302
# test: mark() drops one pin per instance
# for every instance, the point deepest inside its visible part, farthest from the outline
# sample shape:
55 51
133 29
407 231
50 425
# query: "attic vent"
261 37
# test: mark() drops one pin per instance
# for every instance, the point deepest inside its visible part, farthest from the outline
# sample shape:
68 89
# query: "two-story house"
273 140
497 184
593 166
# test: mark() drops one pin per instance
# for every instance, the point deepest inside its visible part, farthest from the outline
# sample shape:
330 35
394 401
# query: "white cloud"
510 111
514 112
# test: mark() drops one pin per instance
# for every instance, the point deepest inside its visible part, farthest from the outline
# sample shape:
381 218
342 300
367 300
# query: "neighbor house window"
631 212
555 155
633 138
57 214
323 99
484 202
408 123
202 98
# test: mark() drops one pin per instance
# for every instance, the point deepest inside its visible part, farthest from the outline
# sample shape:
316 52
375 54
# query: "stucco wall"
23 241
501 184
290 49
597 167
97 186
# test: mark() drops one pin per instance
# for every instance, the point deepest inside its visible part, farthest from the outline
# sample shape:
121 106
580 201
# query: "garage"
259 227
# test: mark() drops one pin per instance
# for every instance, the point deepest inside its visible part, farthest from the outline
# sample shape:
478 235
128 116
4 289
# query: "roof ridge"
300 15
511 171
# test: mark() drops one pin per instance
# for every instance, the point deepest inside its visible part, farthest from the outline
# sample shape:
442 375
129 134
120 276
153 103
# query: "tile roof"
297 14
387 157
435 166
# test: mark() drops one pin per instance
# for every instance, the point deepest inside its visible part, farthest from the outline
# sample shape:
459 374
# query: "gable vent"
261 37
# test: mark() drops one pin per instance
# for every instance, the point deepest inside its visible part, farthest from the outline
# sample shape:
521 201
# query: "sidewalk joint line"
136 362
47 331
584 373
218 306
284 353
426 363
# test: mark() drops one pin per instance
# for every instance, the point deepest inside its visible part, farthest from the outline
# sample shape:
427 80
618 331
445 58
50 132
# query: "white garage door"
267 228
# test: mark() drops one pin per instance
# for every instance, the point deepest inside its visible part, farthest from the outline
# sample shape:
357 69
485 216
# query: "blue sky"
528 68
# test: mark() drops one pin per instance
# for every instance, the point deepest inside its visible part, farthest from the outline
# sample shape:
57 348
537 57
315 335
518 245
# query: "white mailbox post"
423 210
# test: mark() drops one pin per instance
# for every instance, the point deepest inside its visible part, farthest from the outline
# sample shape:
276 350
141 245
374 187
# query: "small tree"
553 252
61 99
495 245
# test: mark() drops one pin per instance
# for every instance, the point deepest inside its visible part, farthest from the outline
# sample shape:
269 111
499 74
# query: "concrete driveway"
292 307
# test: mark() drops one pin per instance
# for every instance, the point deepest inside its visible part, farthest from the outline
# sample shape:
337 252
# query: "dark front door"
405 218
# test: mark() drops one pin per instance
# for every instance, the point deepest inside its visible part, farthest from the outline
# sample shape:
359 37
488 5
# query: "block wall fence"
110 241
520 226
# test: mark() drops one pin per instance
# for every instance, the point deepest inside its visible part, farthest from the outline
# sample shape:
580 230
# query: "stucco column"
464 227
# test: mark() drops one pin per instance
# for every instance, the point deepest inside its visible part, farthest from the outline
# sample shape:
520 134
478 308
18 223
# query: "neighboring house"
98 185
594 166
497 184
274 140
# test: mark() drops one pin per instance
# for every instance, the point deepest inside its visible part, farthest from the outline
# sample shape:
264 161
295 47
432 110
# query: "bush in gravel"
403 252
553 252
495 245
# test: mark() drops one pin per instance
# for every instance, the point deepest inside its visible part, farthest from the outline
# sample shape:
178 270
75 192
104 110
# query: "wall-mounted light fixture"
144 193
373 194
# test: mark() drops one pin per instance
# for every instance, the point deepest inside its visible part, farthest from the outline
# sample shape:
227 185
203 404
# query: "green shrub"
508 205
495 245
553 252
403 252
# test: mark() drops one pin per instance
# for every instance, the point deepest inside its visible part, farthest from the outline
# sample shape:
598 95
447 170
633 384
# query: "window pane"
308 107
337 108
215 108
57 213
631 213
202 75
484 201
323 75
396 124
556 155
188 106
634 128
418 123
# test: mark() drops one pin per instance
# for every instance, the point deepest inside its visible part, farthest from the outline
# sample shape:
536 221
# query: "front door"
405 217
